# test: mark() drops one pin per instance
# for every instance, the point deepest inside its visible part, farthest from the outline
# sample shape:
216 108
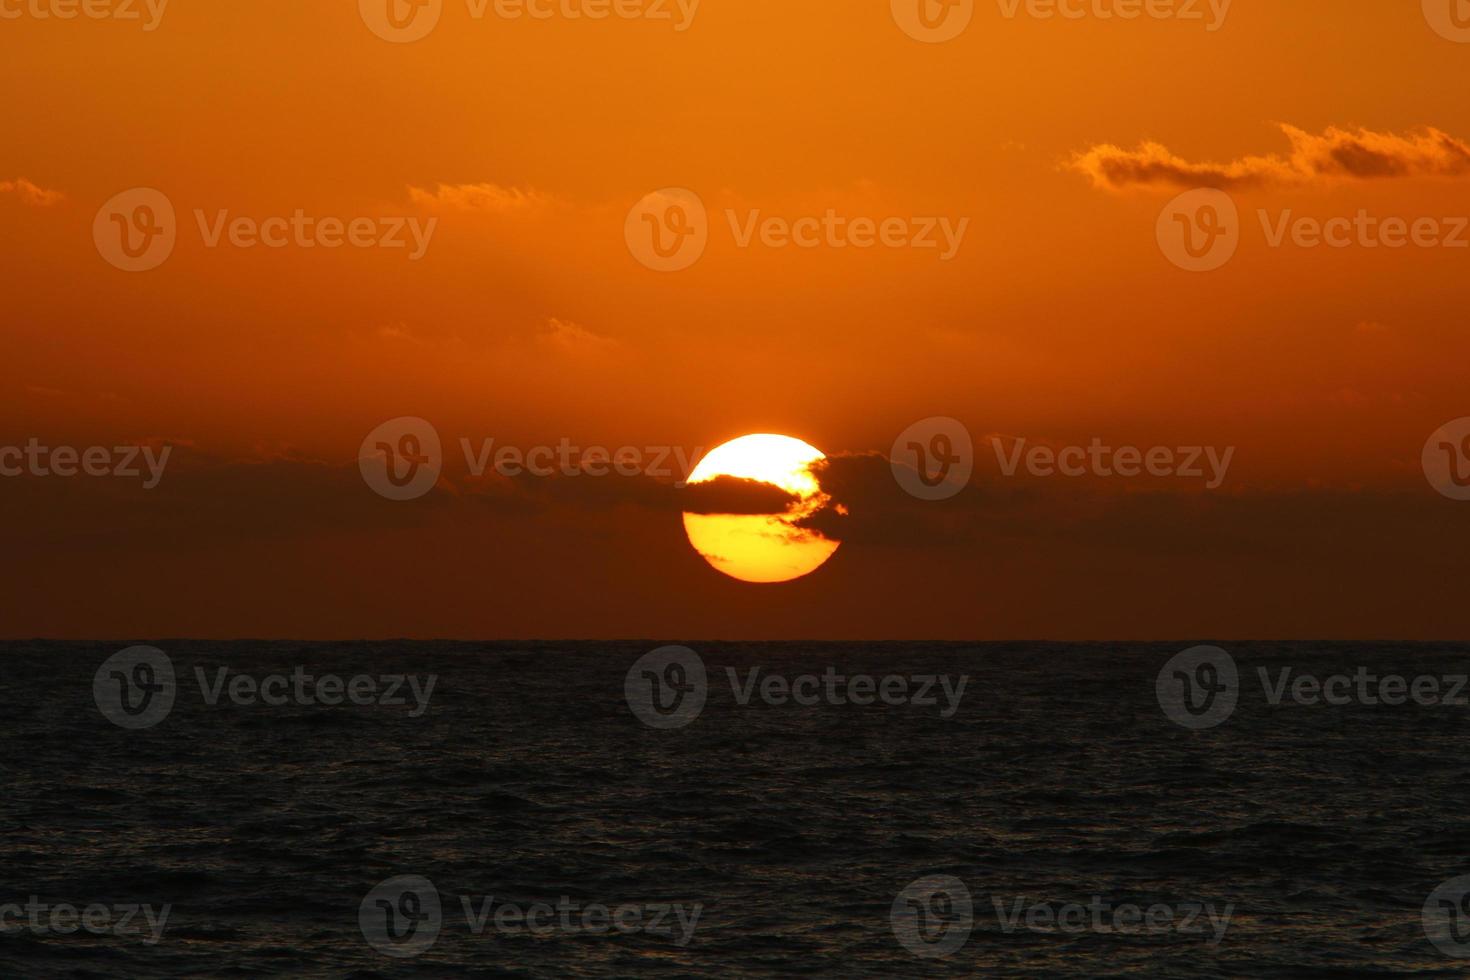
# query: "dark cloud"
301 549
730 495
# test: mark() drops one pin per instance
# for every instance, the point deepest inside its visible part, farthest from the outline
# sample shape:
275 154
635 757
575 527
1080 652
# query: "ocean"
179 808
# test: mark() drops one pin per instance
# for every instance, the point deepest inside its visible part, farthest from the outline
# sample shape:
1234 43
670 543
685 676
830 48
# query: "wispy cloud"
572 338
1334 155
29 193
489 198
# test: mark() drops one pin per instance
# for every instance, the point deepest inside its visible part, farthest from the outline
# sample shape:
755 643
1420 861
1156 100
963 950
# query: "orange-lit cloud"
566 337
489 198
29 193
1337 154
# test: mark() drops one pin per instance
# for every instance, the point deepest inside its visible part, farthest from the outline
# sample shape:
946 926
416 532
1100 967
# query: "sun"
763 547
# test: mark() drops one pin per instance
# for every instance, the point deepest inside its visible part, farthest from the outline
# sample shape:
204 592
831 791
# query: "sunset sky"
528 318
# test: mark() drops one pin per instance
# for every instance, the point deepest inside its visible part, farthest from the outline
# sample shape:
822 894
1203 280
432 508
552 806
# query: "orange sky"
527 319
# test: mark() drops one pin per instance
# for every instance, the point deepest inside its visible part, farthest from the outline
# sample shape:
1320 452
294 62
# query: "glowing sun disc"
762 547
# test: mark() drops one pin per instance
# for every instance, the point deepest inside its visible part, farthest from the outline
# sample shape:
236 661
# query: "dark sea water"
792 828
